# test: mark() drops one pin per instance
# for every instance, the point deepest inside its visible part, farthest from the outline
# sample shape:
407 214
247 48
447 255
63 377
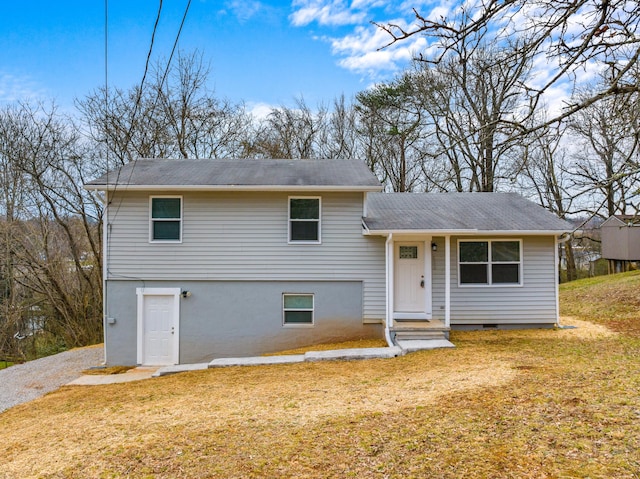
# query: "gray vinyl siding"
532 303
242 236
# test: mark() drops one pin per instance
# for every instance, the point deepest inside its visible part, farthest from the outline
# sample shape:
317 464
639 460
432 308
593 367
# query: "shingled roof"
459 213
240 174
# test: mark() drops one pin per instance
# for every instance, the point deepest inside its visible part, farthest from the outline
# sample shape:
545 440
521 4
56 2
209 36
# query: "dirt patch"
584 329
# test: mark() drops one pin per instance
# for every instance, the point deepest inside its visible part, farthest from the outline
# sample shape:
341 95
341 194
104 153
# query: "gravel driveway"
24 382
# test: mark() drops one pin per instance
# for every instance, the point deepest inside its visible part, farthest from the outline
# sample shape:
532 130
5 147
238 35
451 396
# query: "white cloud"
360 46
363 52
329 13
244 10
259 111
14 88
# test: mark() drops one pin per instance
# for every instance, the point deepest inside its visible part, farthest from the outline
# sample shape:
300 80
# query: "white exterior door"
158 314
410 282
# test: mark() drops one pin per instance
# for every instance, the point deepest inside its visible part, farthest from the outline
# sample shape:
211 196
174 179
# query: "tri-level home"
225 258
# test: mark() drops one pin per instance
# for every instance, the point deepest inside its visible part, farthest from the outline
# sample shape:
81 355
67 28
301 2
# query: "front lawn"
502 404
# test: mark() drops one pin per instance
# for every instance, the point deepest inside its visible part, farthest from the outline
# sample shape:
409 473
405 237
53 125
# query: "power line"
139 96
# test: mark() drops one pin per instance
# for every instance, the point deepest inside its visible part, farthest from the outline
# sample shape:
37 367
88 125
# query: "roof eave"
291 188
465 232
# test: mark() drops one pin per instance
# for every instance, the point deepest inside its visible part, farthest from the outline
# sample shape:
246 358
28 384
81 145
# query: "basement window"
297 309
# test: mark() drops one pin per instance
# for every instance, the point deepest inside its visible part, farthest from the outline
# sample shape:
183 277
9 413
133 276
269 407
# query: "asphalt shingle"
463 212
241 173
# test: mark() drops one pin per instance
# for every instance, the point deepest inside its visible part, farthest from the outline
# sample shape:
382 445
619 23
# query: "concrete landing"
413 345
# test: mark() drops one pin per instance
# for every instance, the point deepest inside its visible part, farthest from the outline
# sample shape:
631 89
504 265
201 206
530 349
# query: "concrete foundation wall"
238 318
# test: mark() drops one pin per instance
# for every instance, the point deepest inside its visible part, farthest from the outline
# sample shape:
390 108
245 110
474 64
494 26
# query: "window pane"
298 301
408 252
166 230
165 207
298 317
505 251
304 231
305 208
474 251
505 273
473 274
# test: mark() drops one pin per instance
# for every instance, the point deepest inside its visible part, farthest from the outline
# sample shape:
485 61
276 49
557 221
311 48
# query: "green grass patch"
5 364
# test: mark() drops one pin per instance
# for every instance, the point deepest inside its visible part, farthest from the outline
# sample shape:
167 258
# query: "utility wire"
139 96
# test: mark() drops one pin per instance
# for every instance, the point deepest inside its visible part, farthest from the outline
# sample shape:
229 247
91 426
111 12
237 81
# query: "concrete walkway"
135 374
139 373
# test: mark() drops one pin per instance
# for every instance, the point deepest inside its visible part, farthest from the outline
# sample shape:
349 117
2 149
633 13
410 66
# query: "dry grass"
360 343
503 404
107 371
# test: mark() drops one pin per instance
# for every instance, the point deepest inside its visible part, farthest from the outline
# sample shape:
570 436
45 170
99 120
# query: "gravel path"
24 382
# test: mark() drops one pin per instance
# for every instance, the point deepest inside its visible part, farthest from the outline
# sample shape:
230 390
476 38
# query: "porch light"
186 294
434 247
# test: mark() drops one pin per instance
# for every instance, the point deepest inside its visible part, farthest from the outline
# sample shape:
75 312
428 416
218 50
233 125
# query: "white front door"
158 312
411 285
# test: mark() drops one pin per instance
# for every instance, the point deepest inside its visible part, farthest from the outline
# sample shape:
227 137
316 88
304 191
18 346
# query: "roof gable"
459 213
621 220
239 174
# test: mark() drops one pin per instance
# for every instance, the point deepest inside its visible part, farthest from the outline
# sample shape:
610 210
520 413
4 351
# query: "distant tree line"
471 117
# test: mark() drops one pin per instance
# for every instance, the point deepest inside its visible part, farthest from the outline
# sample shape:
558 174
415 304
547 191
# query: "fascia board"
467 232
289 188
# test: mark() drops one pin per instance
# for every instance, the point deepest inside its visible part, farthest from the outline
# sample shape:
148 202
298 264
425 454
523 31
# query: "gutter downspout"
558 240
389 285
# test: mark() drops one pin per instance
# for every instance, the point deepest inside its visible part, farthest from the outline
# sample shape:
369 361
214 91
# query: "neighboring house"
620 235
218 258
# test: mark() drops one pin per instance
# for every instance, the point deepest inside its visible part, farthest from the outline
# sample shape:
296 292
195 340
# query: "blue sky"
260 52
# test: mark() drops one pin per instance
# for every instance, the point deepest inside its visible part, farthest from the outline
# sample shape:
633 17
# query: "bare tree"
546 177
392 121
607 164
477 105
54 235
172 116
292 132
569 35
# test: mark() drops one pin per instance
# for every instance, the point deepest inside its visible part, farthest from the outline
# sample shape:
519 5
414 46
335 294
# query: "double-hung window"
304 219
165 219
490 262
297 309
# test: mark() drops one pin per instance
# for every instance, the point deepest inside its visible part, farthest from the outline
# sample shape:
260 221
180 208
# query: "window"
298 309
489 262
304 220
166 218
408 252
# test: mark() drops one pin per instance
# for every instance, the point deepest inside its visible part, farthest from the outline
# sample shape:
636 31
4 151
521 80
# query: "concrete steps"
419 330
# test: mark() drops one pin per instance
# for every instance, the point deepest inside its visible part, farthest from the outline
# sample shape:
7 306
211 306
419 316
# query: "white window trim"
151 219
299 325
319 220
490 284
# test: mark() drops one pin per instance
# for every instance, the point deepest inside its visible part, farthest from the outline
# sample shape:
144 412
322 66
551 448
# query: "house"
620 235
219 258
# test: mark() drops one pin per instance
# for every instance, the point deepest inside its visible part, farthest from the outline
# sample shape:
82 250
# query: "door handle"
422 282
